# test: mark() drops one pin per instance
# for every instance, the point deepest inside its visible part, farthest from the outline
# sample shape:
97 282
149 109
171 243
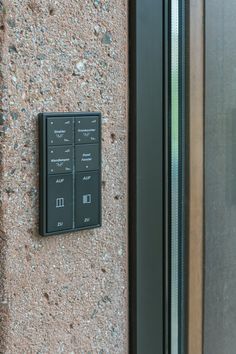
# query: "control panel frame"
43 171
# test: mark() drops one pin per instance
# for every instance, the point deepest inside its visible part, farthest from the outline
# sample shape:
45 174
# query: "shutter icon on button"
87 199
60 203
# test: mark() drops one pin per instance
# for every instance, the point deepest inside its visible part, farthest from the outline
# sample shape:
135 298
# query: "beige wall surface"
68 293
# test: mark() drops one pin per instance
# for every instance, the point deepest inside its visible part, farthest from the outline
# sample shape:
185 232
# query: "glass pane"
174 175
177 177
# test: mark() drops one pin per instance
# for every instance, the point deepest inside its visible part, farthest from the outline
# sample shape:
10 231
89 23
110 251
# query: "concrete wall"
64 294
220 178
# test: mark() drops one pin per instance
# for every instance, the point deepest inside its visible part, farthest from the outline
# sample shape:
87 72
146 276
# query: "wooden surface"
196 182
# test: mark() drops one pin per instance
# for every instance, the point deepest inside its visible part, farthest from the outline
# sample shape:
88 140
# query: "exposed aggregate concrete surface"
67 293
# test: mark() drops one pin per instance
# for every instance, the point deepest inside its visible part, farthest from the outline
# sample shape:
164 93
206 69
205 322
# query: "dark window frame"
149 38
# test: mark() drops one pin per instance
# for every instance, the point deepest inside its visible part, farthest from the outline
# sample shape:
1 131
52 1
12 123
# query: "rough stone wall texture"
64 294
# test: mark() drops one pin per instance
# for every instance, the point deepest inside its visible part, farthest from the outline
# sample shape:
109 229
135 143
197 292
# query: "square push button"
86 130
87 211
87 157
60 203
60 159
60 131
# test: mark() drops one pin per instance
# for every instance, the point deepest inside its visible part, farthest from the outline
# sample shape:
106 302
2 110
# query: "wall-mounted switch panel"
70 172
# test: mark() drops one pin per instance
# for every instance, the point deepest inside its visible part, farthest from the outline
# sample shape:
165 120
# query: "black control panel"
70 172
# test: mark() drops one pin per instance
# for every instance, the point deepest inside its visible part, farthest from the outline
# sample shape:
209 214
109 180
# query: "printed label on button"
60 131
86 130
60 159
86 220
87 157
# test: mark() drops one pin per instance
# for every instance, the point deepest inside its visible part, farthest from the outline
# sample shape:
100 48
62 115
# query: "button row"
61 158
60 131
60 201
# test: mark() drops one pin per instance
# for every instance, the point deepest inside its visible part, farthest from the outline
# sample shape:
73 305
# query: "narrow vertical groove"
167 174
132 181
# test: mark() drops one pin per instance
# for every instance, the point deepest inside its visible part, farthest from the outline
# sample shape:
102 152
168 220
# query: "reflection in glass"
177 180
